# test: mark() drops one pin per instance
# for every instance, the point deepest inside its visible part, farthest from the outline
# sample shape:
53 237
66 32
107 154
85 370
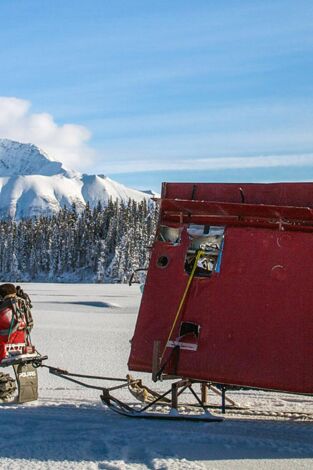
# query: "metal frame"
175 411
167 402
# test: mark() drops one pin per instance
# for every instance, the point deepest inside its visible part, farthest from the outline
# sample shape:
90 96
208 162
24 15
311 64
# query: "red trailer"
228 300
228 297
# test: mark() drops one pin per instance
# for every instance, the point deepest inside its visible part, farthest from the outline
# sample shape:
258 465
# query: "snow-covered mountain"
18 159
32 183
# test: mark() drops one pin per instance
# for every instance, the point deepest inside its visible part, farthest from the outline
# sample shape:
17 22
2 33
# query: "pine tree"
102 244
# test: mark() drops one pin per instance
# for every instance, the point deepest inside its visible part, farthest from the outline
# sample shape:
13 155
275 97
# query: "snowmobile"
16 348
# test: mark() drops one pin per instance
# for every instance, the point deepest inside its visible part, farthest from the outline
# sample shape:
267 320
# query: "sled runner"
149 412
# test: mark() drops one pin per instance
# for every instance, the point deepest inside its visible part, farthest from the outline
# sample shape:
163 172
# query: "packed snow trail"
86 328
84 435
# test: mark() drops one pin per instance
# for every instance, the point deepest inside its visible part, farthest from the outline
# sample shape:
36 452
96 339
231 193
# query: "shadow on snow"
86 303
93 433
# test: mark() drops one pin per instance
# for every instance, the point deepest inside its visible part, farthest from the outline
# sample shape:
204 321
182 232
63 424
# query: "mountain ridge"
18 159
33 184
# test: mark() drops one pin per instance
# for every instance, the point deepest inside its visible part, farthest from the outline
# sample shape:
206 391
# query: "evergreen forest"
103 244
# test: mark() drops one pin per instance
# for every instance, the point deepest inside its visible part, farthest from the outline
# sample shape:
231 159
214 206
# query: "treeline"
104 244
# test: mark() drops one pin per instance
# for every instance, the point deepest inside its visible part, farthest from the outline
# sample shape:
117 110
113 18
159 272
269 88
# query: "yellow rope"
181 304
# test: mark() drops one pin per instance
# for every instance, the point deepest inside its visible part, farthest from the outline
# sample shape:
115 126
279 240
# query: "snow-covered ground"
86 328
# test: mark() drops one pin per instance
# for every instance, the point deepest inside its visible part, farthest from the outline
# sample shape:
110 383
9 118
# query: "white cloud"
220 163
67 143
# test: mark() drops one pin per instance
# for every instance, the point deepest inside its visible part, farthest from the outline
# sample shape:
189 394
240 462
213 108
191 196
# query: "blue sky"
165 90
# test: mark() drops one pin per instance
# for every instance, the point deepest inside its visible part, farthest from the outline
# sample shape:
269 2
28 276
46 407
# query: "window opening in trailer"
170 235
189 328
209 240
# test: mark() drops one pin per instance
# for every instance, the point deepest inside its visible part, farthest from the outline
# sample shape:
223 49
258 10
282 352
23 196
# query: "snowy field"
86 329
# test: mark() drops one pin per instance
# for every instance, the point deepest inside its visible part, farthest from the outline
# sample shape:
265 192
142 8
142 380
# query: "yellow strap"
181 304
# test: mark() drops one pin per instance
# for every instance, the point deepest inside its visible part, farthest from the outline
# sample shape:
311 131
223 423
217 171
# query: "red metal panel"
255 315
222 209
280 194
